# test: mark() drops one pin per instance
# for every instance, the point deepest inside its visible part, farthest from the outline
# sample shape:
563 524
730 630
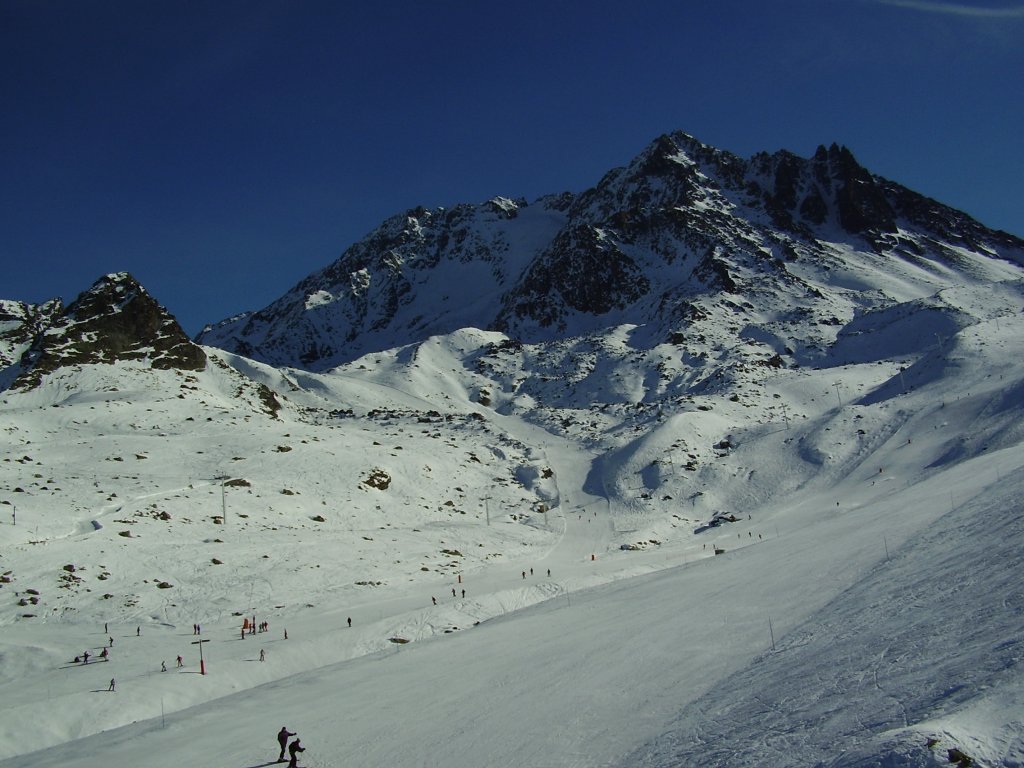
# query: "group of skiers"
252 627
293 749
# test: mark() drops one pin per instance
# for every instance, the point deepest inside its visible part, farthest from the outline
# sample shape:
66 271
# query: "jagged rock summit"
684 233
115 320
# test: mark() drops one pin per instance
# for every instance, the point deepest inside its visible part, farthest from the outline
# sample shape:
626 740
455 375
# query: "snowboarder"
293 750
103 653
282 739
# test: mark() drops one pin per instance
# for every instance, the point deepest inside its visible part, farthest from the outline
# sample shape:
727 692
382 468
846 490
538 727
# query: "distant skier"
282 739
350 622
111 688
293 750
263 655
85 657
179 662
163 666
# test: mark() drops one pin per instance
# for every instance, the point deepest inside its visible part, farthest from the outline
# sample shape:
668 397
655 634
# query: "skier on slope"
293 750
282 739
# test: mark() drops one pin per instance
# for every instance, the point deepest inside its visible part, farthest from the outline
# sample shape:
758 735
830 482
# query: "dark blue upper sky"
221 150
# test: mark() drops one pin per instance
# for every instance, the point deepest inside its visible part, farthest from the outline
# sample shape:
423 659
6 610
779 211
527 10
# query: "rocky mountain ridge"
683 233
710 267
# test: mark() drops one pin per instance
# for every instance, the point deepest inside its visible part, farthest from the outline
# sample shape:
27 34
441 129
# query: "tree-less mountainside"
683 241
715 463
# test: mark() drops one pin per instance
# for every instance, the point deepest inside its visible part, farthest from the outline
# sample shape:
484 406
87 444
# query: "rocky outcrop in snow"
115 320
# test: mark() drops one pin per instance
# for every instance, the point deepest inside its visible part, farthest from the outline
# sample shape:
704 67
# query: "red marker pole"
202 664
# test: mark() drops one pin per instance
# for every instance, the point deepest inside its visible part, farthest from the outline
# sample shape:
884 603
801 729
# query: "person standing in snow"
111 688
293 750
282 739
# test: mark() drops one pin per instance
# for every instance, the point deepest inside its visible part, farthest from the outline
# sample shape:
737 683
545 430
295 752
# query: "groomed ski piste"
865 607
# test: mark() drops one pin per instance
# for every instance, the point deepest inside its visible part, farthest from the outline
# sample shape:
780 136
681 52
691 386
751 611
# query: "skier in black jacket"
293 749
282 739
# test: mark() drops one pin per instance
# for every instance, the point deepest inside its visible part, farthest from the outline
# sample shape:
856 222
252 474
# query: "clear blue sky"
221 150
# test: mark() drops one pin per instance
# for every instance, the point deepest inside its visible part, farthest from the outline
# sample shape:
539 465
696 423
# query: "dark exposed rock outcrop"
115 320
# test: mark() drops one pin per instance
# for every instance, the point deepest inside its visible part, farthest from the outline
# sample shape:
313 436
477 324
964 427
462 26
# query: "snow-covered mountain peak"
659 241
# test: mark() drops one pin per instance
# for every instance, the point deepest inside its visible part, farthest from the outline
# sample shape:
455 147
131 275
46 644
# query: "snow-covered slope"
875 519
